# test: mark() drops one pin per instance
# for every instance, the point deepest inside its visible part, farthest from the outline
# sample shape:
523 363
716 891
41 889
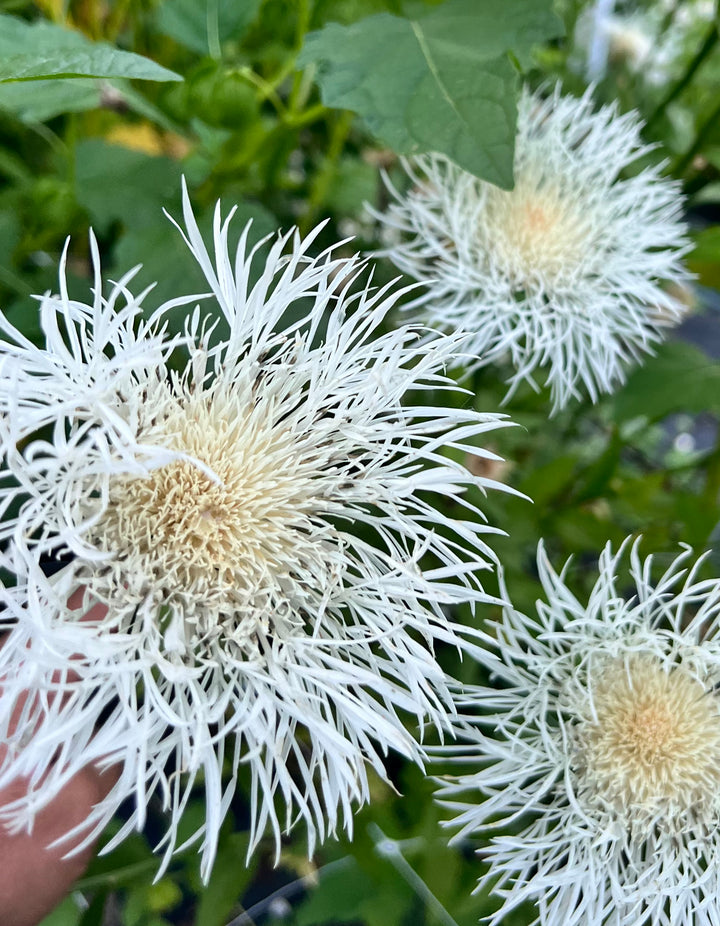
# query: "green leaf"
40 100
337 896
704 259
163 895
43 100
353 183
67 914
9 238
17 37
347 11
95 913
593 481
97 61
227 883
145 898
41 50
545 482
130 864
441 82
202 25
141 186
582 529
348 894
678 378
45 46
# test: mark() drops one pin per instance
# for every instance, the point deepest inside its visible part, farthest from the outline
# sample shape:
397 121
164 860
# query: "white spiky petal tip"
258 576
596 754
572 272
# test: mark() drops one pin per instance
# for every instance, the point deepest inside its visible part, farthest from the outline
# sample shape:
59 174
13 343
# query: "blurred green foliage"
252 120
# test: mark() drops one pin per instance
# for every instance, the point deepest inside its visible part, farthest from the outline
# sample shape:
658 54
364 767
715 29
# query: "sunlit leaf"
37 51
97 61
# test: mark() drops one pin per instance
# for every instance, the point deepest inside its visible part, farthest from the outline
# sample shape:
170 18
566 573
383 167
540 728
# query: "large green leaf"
678 378
440 82
41 50
202 25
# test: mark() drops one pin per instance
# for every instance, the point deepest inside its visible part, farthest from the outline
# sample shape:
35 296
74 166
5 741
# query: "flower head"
566 271
600 764
253 537
653 42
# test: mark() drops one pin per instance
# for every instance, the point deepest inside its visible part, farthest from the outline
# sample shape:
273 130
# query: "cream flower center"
180 514
653 746
233 525
534 234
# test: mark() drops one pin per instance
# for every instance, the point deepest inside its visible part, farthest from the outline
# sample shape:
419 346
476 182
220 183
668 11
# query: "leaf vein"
433 68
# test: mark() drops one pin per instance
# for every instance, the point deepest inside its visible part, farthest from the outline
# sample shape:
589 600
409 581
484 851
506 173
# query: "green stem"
71 135
285 71
14 167
299 90
390 849
303 22
307 117
116 878
323 178
213 29
47 135
677 88
116 20
267 91
287 890
15 283
681 163
286 124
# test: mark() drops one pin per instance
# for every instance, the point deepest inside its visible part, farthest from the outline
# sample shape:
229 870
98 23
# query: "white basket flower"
255 535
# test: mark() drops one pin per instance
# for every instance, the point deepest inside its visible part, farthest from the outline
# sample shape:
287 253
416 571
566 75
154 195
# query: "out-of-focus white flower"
629 41
565 272
600 764
653 42
258 528
602 36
